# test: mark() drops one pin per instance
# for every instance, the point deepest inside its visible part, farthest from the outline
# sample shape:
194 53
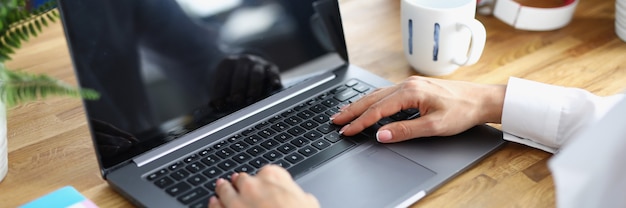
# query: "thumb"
424 126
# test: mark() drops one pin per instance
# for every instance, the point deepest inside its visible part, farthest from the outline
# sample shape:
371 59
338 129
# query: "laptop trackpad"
372 178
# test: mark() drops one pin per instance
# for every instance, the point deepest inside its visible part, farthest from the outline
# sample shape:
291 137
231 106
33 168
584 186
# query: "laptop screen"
167 67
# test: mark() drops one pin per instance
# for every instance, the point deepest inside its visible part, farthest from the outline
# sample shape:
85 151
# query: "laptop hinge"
245 113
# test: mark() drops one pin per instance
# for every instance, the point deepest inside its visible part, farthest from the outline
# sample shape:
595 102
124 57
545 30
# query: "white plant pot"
4 150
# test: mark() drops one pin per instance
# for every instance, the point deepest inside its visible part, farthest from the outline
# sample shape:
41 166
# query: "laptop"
193 90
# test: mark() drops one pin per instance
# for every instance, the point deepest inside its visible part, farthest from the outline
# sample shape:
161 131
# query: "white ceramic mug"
439 36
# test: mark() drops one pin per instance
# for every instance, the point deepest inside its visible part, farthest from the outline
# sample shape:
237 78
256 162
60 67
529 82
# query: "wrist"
493 102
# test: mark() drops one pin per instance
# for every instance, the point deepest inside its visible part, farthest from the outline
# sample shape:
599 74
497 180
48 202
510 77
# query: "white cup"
439 36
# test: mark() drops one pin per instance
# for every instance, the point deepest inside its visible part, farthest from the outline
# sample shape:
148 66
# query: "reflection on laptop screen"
166 67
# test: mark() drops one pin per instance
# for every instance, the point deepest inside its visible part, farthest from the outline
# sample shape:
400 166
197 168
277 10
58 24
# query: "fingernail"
213 200
334 116
343 107
383 135
219 181
343 129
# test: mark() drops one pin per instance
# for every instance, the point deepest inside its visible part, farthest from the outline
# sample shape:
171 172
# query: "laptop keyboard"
297 139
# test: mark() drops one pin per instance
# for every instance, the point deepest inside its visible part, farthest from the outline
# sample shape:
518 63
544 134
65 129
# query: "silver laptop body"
194 90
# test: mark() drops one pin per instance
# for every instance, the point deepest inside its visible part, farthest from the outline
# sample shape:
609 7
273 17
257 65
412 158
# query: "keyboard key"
248 131
220 144
326 128
345 95
244 168
157 174
306 114
294 158
361 88
197 180
333 137
212 172
241 157
296 130
339 89
239 146
210 160
225 153
299 142
330 102
202 203
193 195
262 125
287 112
179 174
178 189
253 139
313 135
280 126
195 167
234 138
226 164
352 83
265 133
320 144
282 163
272 155
269 144
307 151
258 162
294 120
163 182
175 166
255 151
399 116
286 148
318 108
211 185
205 152
274 119
283 137
310 124
321 118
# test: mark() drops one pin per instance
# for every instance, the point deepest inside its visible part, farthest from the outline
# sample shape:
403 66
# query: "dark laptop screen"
168 67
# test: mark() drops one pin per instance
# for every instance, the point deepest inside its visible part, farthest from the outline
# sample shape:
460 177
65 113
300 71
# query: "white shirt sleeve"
547 116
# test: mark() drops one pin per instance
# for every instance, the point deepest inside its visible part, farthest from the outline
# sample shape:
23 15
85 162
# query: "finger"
354 110
226 192
241 180
425 126
385 107
214 202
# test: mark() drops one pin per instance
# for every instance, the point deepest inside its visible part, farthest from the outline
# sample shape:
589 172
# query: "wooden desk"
49 144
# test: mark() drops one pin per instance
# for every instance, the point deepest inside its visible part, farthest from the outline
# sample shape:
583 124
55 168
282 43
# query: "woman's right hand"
447 107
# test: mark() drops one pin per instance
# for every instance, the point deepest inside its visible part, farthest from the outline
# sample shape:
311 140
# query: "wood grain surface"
50 147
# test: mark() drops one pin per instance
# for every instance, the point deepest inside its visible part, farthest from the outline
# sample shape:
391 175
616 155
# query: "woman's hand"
271 187
446 107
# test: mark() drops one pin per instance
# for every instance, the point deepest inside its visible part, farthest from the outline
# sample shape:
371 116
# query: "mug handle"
478 35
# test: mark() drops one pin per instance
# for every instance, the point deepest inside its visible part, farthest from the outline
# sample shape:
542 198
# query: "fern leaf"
31 27
19 87
44 22
50 17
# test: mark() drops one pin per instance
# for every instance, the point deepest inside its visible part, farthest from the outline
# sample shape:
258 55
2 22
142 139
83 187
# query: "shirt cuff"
532 110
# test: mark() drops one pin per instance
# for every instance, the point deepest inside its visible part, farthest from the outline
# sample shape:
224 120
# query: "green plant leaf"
31 27
18 87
